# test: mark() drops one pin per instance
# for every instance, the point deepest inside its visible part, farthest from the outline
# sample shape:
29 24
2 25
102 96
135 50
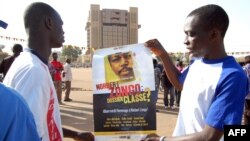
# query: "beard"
126 72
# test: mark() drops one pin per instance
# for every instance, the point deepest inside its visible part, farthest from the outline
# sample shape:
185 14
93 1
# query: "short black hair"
54 53
35 13
68 60
179 63
17 48
155 62
213 16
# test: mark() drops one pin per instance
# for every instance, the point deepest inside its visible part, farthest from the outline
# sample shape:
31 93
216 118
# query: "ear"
215 34
48 22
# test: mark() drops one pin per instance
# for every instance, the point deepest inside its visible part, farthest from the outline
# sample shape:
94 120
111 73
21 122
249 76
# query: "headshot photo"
119 67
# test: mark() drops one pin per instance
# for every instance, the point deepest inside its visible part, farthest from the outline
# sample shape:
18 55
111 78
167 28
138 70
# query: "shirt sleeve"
61 65
17 122
183 75
227 105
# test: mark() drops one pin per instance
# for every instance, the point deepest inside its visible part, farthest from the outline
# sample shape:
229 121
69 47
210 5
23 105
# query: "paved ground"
78 114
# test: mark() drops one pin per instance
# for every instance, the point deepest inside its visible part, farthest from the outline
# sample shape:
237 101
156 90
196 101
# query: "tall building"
111 27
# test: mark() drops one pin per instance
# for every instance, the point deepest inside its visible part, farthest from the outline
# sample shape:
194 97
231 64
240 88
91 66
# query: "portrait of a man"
119 67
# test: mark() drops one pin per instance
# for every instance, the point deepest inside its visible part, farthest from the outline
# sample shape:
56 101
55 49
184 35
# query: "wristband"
163 138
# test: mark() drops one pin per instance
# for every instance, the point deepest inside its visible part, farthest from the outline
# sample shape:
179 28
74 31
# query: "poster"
124 91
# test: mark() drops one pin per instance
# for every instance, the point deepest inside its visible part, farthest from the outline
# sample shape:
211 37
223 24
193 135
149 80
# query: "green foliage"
72 52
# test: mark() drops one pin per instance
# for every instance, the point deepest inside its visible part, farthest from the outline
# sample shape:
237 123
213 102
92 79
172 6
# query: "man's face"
197 38
122 64
54 56
57 33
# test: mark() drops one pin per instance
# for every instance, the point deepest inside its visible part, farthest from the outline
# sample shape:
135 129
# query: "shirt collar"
36 54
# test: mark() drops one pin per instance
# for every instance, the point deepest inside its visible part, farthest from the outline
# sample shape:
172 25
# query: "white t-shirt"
67 71
31 78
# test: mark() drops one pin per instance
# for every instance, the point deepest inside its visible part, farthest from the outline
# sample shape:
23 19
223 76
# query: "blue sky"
162 19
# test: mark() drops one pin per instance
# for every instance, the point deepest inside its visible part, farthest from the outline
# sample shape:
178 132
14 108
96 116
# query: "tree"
72 52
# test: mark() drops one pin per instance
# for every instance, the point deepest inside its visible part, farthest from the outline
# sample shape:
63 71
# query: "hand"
151 137
155 46
85 136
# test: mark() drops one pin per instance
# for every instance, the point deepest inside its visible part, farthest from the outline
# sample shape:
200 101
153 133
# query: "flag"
3 24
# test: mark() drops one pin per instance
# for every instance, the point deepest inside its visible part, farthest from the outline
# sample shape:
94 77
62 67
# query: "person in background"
157 73
246 115
168 90
213 87
179 66
57 76
30 76
51 70
161 89
6 63
160 66
67 77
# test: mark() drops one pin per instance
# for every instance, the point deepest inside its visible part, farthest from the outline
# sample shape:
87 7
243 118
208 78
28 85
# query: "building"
111 27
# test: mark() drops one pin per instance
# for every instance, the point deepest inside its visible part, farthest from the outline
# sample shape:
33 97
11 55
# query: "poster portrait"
124 89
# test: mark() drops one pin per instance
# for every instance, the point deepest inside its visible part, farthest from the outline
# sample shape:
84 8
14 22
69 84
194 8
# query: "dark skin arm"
172 72
207 134
78 136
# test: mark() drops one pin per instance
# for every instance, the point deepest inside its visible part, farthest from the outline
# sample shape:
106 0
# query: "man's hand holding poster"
124 90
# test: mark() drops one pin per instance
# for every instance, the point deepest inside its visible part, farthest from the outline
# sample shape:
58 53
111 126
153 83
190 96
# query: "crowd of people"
246 115
33 84
172 95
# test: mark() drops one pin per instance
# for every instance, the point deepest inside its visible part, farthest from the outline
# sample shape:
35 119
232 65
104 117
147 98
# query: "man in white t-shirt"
30 76
213 87
67 77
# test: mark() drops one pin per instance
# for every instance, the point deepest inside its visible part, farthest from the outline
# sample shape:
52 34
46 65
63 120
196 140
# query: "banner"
124 93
